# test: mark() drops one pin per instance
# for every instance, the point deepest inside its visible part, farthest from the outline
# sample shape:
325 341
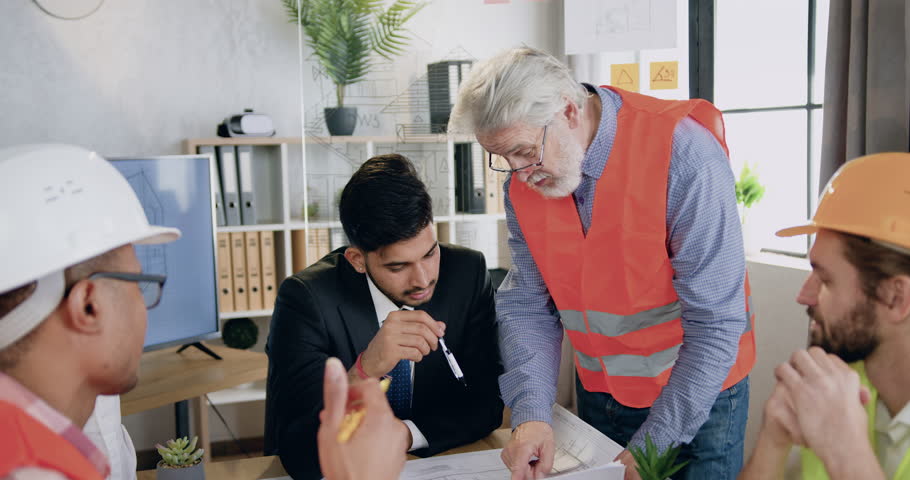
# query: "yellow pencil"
352 419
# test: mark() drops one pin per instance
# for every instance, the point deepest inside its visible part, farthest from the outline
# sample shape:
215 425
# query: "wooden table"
245 469
166 377
270 467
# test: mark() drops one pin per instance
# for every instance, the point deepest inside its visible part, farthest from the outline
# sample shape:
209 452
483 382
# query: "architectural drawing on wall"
613 18
329 166
594 26
411 107
431 162
153 258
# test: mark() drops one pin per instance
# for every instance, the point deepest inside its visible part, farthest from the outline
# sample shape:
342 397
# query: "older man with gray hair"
624 233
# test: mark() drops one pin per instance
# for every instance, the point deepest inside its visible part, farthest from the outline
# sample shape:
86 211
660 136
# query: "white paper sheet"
582 452
593 26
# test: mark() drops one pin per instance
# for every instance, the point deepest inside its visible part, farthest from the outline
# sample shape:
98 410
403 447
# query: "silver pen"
453 364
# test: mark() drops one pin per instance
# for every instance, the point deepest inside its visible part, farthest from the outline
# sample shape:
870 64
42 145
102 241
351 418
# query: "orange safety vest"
26 442
614 286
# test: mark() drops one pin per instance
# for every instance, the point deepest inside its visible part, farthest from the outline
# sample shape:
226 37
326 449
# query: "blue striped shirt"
706 251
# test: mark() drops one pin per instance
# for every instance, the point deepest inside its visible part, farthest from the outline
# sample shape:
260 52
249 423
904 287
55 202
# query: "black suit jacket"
326 310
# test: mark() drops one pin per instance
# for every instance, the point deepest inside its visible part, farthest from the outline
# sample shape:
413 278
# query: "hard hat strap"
30 313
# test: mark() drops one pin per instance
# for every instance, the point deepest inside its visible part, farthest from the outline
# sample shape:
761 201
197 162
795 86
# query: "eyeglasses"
150 285
499 167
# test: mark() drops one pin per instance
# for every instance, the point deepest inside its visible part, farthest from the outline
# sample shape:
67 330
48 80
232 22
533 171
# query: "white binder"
245 169
228 166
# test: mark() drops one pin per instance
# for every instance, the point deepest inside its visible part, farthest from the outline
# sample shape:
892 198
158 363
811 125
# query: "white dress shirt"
384 307
106 432
892 437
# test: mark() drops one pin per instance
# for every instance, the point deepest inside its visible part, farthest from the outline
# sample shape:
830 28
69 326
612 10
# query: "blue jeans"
716 452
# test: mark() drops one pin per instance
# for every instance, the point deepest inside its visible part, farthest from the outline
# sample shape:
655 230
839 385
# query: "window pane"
821 50
761 53
774 145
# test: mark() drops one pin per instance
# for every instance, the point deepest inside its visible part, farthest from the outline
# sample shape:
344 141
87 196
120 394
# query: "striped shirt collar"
597 153
14 392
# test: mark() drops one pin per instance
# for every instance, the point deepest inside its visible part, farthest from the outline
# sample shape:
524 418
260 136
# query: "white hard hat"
60 205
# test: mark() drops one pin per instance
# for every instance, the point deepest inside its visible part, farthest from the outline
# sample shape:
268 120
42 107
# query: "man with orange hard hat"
846 400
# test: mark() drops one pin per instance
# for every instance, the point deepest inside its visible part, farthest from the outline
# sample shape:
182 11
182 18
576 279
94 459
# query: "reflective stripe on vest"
631 365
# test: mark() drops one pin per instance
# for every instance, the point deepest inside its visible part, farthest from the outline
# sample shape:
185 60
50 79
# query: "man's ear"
81 307
894 293
572 113
357 258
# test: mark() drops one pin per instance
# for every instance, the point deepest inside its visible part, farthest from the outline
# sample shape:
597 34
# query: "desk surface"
245 469
270 467
166 376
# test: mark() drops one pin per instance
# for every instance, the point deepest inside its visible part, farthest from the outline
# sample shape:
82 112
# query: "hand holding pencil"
373 446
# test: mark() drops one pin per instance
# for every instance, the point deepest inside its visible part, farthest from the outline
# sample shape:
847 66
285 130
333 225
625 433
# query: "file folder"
253 271
469 181
225 282
219 198
227 166
238 267
245 172
267 266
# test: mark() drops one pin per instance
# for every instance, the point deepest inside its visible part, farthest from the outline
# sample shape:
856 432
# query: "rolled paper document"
353 418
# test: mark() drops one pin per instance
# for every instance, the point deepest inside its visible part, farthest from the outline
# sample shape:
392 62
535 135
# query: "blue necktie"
399 393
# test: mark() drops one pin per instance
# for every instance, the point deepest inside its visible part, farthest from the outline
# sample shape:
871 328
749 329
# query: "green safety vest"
812 466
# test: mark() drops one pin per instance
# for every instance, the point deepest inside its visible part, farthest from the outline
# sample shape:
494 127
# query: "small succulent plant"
180 452
653 465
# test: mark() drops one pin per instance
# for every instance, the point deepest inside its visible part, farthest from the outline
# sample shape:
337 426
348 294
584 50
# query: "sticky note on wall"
664 75
625 76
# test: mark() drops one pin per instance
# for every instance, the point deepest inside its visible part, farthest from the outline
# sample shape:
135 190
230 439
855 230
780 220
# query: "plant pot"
192 472
341 121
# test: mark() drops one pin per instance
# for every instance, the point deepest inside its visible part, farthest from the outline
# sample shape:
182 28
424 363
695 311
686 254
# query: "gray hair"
518 85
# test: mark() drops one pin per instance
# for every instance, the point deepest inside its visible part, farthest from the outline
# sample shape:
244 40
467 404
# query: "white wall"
781 326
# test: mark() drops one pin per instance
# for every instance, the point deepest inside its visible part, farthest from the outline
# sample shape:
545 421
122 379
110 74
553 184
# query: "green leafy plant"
344 33
652 465
180 452
748 189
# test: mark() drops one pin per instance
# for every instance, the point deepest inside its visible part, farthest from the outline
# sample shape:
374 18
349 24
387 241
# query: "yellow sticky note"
625 76
664 75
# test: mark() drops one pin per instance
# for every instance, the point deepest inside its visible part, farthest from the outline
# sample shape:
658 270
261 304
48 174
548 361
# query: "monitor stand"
202 347
181 408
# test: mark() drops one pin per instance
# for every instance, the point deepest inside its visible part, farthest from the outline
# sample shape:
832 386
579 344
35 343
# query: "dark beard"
853 338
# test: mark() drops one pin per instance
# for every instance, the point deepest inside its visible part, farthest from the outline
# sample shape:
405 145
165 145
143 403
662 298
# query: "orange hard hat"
869 197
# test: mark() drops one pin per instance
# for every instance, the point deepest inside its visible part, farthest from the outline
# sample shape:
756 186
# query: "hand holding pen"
450 358
405 335
376 448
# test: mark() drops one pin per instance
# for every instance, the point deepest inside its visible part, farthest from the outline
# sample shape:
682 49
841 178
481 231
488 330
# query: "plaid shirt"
13 392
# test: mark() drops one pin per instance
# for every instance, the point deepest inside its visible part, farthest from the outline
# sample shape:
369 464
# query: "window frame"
702 21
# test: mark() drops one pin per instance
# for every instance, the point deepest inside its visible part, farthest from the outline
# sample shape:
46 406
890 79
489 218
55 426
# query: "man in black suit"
355 304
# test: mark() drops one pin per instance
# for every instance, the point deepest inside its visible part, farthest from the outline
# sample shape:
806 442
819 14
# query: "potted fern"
180 460
652 465
343 35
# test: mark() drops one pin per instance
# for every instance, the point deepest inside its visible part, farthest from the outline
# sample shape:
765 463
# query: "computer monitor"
177 191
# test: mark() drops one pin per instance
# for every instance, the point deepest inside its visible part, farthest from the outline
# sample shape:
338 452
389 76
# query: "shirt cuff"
418 441
532 415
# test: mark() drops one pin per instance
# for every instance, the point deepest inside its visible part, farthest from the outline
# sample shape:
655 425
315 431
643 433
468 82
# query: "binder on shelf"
267 267
219 198
227 165
298 250
443 80
253 270
245 173
492 187
238 271
225 281
469 180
